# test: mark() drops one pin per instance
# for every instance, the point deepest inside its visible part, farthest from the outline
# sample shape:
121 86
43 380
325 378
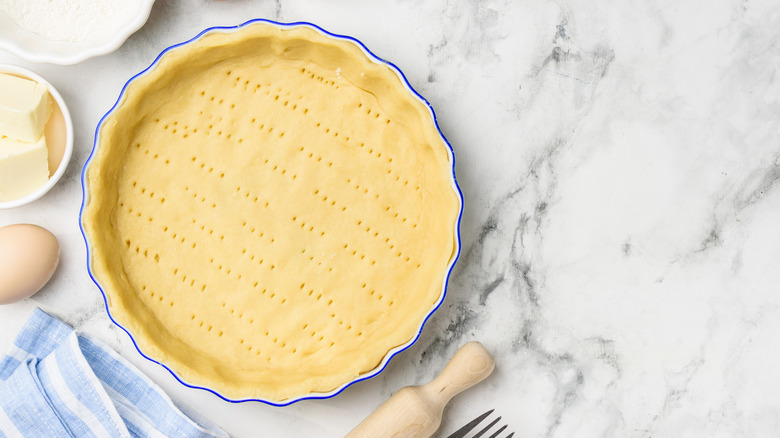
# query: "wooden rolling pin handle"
415 411
470 365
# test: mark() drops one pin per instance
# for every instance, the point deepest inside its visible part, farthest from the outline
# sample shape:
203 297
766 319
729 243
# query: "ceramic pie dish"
271 212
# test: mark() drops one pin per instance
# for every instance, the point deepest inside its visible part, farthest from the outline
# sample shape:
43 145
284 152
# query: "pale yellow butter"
23 167
25 107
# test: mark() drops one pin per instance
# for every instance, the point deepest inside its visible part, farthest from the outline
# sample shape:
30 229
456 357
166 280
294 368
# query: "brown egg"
29 256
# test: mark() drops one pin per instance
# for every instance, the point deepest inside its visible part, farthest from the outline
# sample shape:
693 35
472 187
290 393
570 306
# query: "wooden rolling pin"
415 411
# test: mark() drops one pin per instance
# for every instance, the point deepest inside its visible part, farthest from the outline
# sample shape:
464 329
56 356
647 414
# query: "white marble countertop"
621 235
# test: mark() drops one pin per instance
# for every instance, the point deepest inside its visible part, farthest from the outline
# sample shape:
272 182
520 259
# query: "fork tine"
510 435
482 432
498 431
460 433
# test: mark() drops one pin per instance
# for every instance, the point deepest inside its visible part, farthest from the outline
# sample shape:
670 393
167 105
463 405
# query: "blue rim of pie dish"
391 354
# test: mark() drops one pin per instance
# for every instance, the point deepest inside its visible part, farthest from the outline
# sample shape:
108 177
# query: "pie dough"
270 212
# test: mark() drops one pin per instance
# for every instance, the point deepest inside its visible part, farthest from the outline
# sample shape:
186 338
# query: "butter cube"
23 167
25 106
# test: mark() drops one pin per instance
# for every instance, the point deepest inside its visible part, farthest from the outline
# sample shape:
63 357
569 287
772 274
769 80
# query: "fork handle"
470 365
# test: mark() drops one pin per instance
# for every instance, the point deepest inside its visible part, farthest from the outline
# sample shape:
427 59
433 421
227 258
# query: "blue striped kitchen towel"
56 383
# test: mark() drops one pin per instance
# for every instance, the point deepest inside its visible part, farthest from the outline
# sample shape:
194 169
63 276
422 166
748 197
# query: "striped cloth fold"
56 383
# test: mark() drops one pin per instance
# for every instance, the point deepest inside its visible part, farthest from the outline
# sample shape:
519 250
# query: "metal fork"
471 425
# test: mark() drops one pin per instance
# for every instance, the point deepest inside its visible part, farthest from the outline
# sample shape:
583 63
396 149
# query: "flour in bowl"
70 20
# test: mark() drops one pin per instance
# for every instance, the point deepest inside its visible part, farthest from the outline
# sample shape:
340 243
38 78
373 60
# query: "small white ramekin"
20 71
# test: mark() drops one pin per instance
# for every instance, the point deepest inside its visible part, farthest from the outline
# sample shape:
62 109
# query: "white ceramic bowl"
58 121
35 48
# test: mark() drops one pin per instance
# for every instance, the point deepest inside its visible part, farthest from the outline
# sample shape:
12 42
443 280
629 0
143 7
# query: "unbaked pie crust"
270 212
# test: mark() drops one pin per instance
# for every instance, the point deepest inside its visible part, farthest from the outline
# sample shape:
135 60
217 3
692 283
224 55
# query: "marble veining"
620 166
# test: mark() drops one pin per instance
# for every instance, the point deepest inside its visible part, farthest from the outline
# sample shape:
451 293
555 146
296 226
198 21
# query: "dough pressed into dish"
270 212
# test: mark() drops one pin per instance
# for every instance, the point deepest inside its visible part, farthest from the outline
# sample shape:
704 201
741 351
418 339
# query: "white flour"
70 20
